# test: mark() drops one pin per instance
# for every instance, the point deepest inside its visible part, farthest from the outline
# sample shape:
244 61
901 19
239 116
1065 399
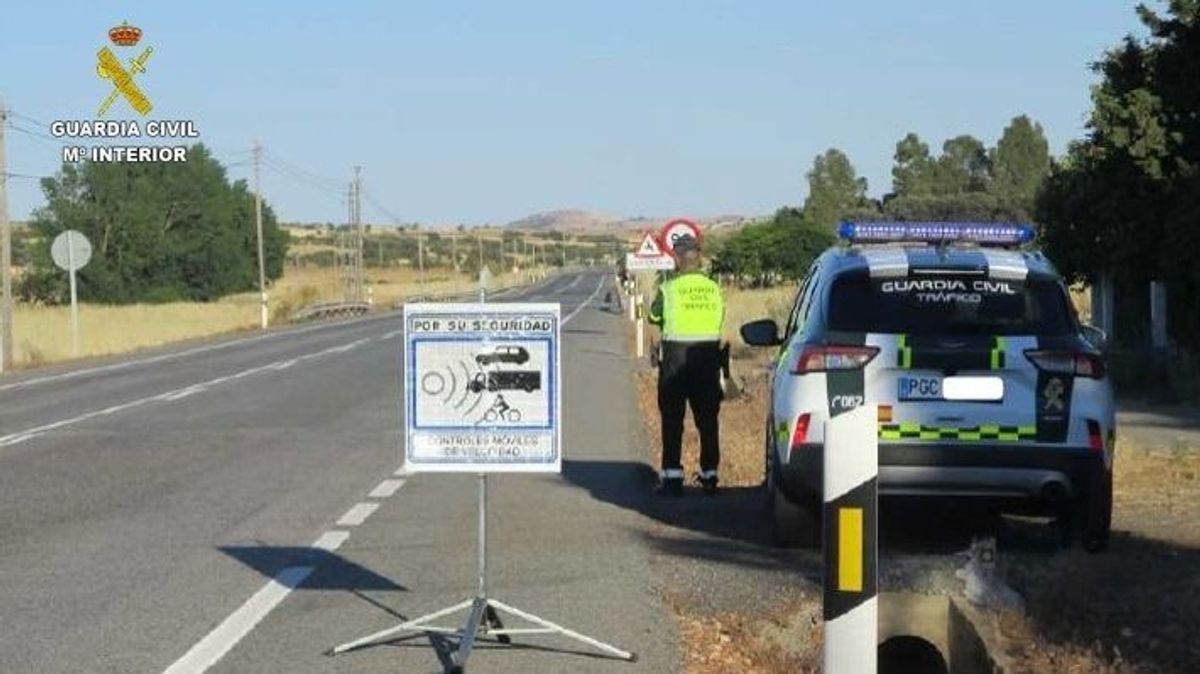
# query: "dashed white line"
331 540
225 636
386 488
358 514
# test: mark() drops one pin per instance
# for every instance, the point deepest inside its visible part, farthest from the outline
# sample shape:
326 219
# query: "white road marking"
403 471
183 393
217 643
390 335
169 396
225 636
331 540
386 488
585 302
358 514
572 284
181 354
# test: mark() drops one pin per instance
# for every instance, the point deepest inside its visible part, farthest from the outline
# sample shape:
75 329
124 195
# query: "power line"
31 120
381 208
309 175
299 177
24 175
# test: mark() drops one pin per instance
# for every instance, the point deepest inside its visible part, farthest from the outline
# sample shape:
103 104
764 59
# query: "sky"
484 112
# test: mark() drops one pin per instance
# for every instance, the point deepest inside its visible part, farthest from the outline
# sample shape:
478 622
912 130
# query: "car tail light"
1095 439
800 433
819 358
1078 363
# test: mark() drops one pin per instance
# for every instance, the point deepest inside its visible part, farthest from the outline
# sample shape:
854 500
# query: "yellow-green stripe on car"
911 431
999 348
904 351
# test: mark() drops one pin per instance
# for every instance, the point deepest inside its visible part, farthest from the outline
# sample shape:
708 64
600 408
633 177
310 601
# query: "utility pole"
6 300
421 257
564 250
454 250
262 269
359 282
479 241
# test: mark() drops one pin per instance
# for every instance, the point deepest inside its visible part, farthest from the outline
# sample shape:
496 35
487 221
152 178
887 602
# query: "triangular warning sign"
649 247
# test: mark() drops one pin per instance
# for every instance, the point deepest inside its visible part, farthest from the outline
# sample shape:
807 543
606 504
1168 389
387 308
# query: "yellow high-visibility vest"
690 309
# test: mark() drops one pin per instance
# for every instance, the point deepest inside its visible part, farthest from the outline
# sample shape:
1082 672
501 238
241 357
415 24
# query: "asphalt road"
234 507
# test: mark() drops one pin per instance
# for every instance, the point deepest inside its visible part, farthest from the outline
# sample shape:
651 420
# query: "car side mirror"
763 332
1096 337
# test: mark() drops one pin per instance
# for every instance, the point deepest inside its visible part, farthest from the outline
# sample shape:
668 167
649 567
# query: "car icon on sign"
502 353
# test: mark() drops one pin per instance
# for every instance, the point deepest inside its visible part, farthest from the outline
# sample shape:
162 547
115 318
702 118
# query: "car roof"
850 258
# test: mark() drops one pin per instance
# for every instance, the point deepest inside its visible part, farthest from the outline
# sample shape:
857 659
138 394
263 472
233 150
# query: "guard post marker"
641 327
851 465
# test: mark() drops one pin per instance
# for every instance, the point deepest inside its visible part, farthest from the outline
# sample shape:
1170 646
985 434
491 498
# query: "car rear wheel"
1089 518
792 526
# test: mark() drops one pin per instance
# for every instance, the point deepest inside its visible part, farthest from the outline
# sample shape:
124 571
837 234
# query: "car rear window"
949 304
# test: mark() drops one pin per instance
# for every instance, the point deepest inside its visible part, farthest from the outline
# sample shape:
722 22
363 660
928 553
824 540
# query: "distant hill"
576 220
566 220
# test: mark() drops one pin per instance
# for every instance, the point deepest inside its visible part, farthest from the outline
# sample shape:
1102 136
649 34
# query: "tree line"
160 232
966 181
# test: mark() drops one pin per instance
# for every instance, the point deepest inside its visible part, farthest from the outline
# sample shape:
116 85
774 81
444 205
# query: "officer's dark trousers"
689 373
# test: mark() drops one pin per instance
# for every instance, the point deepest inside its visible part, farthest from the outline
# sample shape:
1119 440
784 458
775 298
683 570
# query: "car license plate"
920 388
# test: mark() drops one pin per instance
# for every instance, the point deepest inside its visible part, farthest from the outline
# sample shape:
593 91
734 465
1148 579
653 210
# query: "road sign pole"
74 294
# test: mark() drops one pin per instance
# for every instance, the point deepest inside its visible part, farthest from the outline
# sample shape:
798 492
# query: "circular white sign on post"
71 250
674 229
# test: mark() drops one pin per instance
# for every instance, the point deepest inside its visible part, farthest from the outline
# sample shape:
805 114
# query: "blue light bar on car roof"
983 233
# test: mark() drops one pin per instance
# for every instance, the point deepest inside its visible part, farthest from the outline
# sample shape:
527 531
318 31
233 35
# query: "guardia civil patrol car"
986 384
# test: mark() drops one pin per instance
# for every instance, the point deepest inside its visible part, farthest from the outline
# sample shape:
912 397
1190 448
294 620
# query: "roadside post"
71 252
482 395
641 327
851 544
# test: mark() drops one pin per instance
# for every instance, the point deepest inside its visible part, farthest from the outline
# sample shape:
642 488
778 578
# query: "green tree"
834 190
962 167
913 172
1020 163
1125 198
160 232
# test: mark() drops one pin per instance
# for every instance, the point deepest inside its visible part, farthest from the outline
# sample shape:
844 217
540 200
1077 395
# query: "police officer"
689 310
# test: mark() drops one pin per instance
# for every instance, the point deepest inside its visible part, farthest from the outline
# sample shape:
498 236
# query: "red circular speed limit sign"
676 228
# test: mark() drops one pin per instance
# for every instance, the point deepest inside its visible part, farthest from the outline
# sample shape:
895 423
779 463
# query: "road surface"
234 507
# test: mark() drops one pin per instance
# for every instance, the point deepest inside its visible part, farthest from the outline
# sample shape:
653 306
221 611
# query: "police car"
986 384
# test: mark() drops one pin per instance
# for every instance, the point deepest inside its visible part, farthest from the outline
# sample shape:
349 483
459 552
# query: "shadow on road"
330 571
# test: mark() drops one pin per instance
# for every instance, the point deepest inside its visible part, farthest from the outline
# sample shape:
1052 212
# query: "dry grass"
42 334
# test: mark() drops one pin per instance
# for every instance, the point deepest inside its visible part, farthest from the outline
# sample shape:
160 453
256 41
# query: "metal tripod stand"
484 616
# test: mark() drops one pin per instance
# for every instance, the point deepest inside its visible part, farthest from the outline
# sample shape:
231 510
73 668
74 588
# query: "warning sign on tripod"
481 391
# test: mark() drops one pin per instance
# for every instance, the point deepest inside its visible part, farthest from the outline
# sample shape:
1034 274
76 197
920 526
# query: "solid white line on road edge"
225 636
331 540
357 514
585 302
22 436
386 488
180 354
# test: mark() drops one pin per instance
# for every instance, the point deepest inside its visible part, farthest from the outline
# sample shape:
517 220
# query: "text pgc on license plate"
920 388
